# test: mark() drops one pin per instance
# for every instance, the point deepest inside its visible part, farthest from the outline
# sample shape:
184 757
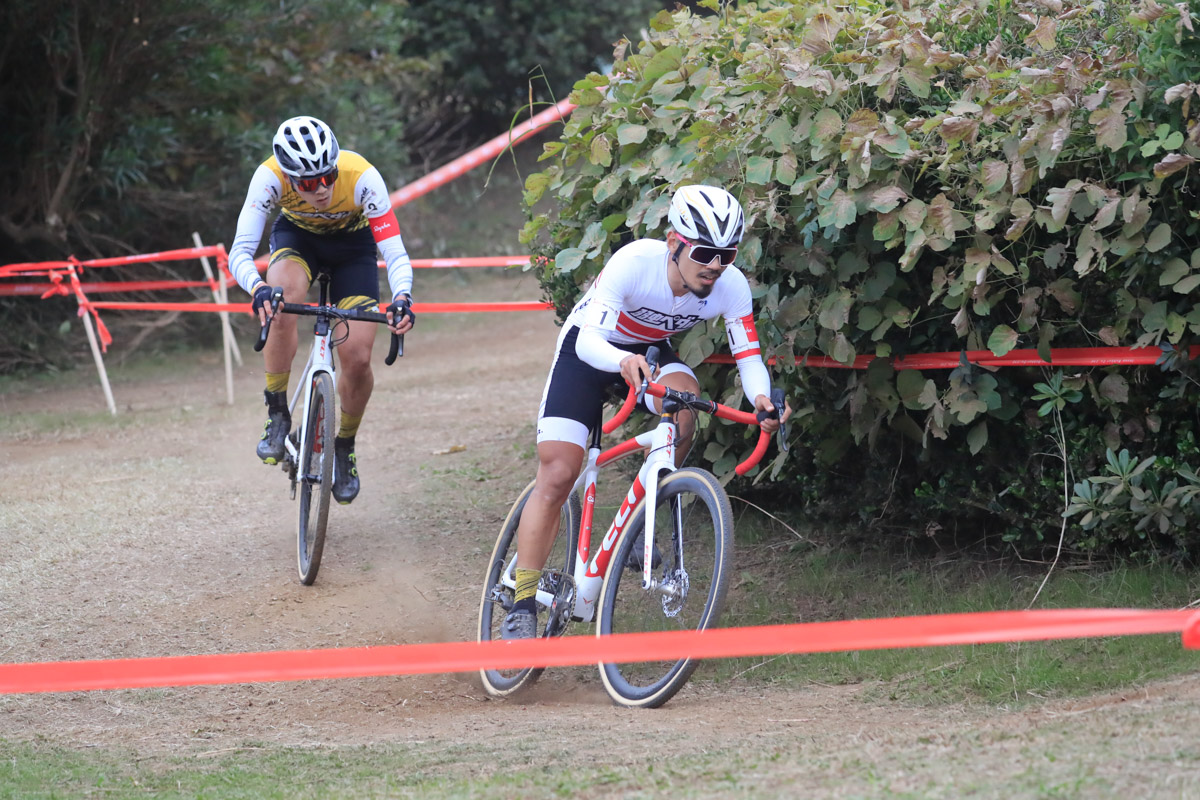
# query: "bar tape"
815 637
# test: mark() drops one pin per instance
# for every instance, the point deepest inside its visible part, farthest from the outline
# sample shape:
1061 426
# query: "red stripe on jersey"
751 347
631 327
385 226
635 335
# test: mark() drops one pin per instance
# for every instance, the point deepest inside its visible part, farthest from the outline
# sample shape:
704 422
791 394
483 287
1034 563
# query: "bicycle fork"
319 360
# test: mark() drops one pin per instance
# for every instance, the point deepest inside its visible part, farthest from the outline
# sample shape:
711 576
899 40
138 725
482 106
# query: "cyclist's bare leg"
685 420
558 467
356 380
280 348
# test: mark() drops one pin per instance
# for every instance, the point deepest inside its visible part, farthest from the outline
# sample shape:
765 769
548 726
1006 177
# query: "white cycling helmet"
706 215
305 147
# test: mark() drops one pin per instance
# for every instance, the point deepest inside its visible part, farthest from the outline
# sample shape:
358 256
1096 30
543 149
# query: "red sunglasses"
312 184
704 255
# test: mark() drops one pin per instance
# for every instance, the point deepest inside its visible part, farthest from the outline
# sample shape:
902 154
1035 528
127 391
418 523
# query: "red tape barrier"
244 308
17 289
814 637
440 263
479 155
1060 357
41 267
22 289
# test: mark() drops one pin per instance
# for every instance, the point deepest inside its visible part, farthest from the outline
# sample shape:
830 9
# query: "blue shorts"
348 256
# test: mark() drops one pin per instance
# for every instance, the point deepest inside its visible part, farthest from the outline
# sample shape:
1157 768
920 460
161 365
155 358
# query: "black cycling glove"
262 296
399 310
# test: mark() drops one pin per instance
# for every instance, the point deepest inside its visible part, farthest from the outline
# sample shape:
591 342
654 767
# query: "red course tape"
814 637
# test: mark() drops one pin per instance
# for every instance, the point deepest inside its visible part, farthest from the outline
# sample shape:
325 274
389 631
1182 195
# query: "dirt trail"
159 533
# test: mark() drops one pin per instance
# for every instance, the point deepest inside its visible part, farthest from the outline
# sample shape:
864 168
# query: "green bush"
942 176
493 58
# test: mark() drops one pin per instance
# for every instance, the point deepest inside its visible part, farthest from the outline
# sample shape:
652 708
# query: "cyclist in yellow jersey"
335 214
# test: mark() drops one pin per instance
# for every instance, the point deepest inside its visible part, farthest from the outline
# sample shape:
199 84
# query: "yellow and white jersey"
359 198
356 196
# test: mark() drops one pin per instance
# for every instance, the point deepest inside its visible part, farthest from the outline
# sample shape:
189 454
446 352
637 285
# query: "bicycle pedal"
502 598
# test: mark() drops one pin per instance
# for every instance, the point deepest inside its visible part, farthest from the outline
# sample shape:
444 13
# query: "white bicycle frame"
590 571
320 359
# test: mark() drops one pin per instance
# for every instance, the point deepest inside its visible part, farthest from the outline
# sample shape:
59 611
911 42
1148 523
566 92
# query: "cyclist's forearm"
386 231
260 202
241 254
399 267
756 380
594 350
743 343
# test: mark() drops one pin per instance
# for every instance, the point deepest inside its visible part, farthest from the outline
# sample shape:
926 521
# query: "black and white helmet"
706 215
305 147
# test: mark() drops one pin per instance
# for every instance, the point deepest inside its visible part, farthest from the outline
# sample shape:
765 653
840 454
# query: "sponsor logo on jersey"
666 322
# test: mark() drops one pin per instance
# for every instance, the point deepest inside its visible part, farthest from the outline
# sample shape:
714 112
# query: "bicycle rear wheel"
499 586
693 542
315 478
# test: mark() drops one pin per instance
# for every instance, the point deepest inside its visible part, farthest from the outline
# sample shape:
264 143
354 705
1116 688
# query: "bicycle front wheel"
315 478
499 587
693 542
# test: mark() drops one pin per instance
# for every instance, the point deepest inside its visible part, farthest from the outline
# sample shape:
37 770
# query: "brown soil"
160 533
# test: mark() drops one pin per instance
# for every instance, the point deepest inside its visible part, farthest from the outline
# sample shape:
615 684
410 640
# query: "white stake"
229 347
91 334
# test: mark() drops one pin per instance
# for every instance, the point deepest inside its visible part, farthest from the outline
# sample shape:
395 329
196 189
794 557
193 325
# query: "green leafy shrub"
493 58
936 176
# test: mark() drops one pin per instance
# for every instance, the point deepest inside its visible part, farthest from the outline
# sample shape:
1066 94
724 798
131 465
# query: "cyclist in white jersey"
648 291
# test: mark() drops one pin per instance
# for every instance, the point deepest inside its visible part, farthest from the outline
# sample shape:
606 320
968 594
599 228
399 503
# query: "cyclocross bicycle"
659 571
308 459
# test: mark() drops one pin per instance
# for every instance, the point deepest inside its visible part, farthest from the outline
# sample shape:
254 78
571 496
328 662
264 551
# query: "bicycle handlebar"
709 407
347 314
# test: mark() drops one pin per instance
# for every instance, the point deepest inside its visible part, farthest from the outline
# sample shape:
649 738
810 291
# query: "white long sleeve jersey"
631 302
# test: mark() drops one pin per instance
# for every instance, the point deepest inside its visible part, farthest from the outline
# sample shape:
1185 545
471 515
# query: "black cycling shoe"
345 471
519 624
279 422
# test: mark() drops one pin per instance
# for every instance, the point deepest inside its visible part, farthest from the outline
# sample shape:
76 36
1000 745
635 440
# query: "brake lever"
652 360
276 301
780 402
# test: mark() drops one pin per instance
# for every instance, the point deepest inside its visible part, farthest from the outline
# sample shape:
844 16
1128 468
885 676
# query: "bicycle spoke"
692 539
315 480
498 587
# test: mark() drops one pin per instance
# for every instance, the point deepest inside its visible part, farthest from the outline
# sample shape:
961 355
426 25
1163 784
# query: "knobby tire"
315 478
497 598
625 607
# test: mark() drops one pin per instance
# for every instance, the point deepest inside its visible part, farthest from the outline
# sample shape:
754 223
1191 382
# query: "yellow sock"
278 381
527 583
349 426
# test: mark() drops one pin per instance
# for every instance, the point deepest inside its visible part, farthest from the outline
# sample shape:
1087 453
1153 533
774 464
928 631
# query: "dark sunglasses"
312 184
704 255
